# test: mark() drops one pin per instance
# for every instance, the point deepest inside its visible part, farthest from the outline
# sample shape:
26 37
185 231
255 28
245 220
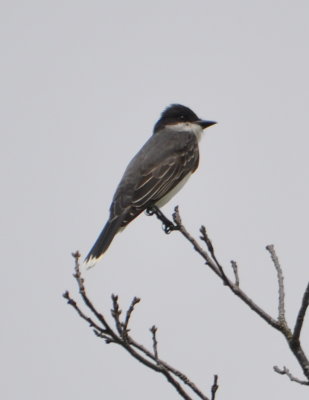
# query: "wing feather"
153 189
159 166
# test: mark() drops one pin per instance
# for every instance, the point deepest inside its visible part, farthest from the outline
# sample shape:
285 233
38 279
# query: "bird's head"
181 118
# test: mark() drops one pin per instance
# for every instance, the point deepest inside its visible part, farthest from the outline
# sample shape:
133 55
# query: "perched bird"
156 173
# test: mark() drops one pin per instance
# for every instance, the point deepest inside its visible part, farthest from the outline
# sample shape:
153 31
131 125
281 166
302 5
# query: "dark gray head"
177 114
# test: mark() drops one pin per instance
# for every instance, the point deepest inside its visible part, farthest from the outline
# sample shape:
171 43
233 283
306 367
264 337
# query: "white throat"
190 127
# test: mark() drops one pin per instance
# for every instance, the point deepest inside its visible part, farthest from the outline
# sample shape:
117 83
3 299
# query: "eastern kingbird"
155 174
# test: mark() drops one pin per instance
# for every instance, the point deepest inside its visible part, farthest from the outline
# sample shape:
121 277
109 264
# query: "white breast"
181 127
172 192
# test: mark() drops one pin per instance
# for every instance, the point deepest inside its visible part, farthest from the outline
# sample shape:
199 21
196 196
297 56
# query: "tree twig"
280 324
301 315
235 270
120 336
281 308
214 388
285 371
217 268
153 330
135 301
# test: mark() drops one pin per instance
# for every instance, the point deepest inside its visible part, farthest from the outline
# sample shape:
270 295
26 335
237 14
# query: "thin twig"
135 301
122 338
88 303
235 270
285 371
218 270
281 309
301 315
214 387
116 312
280 324
211 249
91 323
173 370
153 330
196 246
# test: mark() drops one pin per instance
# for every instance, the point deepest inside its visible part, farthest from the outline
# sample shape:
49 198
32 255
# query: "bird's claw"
169 227
149 211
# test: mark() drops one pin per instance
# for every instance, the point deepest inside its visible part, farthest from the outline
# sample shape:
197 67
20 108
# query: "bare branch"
151 358
214 387
211 250
216 267
285 371
206 239
135 301
103 330
235 270
173 370
116 312
281 309
301 315
73 303
82 291
280 324
153 330
196 246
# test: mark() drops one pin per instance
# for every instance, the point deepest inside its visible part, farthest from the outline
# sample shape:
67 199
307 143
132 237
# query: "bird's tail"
102 243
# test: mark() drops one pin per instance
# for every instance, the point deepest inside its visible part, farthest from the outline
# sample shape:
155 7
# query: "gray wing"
156 169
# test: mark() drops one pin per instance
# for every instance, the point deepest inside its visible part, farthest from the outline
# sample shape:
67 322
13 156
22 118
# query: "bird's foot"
150 211
167 225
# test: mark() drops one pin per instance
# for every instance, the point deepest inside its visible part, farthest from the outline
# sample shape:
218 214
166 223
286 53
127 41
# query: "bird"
155 174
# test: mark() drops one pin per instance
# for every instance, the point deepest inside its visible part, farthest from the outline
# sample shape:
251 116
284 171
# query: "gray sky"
82 84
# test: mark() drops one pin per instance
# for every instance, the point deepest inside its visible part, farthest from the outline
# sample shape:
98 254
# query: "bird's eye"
182 117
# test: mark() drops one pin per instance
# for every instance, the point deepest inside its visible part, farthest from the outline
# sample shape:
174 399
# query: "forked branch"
120 334
279 323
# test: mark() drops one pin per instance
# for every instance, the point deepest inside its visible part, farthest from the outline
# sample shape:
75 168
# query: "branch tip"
214 387
176 217
286 371
235 270
76 254
153 330
281 293
119 334
206 239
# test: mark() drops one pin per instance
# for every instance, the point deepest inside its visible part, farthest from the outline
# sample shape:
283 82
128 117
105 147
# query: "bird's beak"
205 124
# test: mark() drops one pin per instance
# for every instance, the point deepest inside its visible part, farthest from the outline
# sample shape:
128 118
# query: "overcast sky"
82 84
